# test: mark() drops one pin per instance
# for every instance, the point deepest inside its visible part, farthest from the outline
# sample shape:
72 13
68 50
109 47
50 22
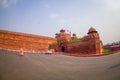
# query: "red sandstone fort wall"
29 42
90 43
78 47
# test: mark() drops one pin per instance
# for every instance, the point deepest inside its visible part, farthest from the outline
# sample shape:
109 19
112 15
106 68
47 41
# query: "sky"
47 17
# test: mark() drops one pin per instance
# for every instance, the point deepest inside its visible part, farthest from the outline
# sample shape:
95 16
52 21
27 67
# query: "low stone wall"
113 48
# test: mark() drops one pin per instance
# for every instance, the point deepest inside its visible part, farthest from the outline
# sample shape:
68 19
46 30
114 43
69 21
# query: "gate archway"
63 49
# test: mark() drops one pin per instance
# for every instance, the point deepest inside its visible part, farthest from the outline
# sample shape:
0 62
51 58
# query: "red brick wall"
77 47
17 40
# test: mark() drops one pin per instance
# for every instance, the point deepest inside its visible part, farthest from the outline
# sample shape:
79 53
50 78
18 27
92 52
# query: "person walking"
21 52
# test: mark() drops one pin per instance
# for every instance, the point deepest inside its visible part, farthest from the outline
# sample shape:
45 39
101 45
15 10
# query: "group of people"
46 52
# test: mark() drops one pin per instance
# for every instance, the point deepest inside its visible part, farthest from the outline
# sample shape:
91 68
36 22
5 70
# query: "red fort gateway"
90 43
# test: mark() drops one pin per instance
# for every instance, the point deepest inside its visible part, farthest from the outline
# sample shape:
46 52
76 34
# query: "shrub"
54 44
75 40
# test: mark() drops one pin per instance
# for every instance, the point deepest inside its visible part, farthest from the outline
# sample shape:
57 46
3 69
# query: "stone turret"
92 30
74 36
95 44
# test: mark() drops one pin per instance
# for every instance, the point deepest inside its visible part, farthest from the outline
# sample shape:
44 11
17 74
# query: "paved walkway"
58 67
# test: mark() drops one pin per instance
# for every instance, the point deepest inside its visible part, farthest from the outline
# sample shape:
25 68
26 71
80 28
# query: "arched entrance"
63 49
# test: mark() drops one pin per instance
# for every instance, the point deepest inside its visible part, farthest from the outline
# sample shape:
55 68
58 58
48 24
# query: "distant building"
90 43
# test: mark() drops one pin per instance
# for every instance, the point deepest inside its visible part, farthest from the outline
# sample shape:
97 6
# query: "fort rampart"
29 42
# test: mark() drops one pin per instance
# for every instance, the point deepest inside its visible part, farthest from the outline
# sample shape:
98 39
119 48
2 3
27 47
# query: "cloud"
112 4
7 3
4 3
54 15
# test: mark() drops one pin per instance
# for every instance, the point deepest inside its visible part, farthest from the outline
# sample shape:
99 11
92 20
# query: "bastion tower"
94 42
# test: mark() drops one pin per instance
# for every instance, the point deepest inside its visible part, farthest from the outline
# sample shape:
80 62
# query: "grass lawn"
106 51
